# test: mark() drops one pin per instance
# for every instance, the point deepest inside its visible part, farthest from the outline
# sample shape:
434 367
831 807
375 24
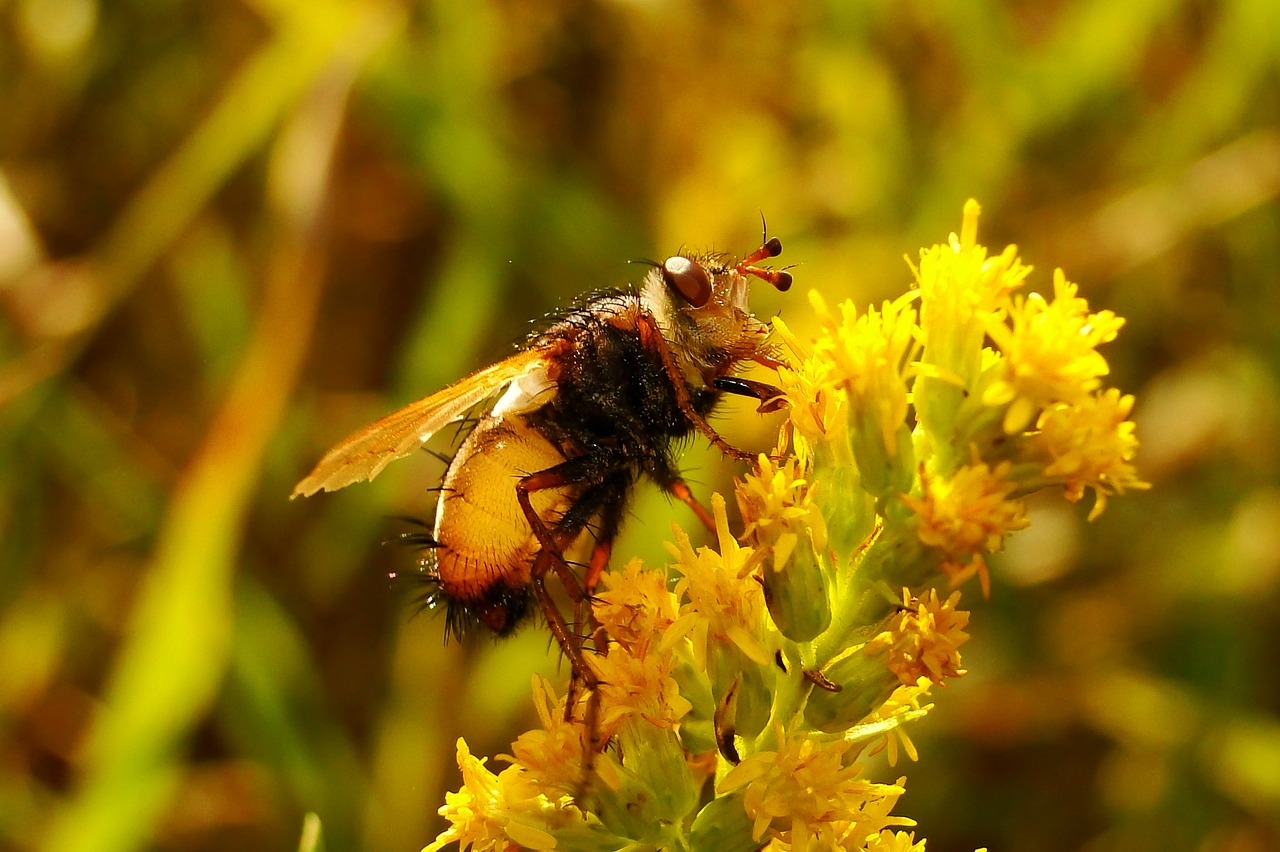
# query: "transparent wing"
363 455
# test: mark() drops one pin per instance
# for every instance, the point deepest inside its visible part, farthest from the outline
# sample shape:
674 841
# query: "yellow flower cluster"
923 640
965 515
766 669
1090 445
807 791
496 811
1049 352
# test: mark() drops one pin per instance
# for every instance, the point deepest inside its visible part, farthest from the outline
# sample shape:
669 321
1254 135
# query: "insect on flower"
587 406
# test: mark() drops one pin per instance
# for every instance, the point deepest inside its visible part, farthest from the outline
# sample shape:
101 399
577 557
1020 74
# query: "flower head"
807 792
635 607
923 640
552 754
638 685
889 720
960 285
784 524
815 403
1050 352
894 841
719 608
779 510
492 811
970 511
1091 445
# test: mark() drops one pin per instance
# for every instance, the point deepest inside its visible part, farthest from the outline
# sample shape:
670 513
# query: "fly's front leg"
771 398
651 334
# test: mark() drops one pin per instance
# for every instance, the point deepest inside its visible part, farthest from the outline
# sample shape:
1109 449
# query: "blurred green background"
231 232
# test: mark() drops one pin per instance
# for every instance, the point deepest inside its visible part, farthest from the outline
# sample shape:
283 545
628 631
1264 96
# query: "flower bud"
885 456
746 688
795 589
655 787
786 528
723 824
696 730
864 684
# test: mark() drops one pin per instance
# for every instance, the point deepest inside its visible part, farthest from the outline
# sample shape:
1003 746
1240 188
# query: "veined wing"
363 455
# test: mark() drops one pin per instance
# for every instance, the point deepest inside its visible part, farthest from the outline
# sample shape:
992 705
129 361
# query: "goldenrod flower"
635 607
640 685
551 754
1091 445
900 707
720 609
872 356
805 792
960 286
960 571
894 841
494 811
923 640
1050 352
784 525
778 510
815 404
969 511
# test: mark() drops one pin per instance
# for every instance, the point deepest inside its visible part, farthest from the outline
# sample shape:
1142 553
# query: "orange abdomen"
485 545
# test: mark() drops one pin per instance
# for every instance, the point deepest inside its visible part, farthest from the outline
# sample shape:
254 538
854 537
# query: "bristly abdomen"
500 609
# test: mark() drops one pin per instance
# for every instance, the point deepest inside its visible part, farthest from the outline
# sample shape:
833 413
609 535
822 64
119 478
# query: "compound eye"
689 279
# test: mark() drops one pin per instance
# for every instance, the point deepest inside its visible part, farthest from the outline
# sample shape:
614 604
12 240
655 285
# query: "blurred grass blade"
312 836
180 638
250 109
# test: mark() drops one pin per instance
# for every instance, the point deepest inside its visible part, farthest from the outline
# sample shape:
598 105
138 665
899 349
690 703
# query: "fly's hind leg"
602 503
550 558
604 491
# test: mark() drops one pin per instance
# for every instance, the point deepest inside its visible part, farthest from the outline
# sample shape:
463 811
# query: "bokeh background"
231 231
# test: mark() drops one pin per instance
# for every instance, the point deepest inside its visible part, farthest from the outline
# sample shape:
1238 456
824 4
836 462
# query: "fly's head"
701 302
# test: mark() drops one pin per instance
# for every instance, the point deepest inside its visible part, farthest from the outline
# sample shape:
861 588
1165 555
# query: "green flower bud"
864 684
697 731
795 589
847 511
657 788
722 826
887 466
744 686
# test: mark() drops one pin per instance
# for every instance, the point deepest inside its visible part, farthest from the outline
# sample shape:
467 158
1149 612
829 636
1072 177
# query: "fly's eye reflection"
689 279
594 402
